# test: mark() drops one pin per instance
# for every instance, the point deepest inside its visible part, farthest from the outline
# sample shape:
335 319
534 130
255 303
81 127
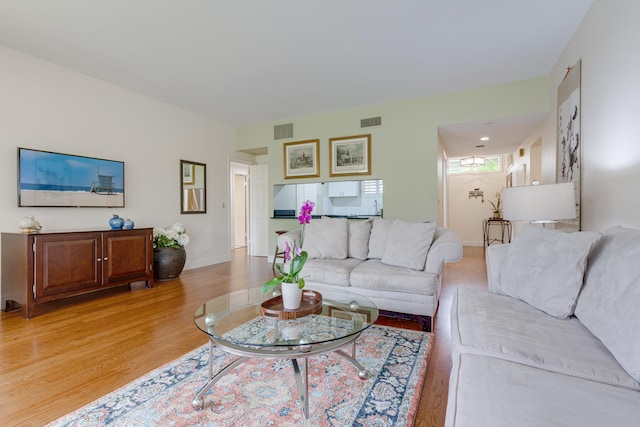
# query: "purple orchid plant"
295 254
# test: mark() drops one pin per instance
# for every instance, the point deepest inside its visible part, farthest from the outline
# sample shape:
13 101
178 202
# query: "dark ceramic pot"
168 263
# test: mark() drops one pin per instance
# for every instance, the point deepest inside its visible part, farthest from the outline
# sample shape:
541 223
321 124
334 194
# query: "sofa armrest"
293 237
445 247
494 256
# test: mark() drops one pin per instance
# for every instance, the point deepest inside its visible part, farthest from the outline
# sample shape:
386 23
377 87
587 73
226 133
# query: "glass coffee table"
234 323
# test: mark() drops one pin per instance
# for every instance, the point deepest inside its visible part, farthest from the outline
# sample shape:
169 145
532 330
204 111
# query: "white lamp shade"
539 202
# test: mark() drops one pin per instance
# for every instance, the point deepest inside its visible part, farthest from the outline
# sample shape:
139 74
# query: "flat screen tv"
64 180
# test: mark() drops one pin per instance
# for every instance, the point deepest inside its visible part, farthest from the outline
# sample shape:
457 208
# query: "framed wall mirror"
193 181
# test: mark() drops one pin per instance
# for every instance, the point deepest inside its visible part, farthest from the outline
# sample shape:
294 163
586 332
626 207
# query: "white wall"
606 41
44 106
466 214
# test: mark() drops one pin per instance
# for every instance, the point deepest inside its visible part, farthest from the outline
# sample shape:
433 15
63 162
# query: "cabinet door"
335 189
351 189
66 263
127 256
344 189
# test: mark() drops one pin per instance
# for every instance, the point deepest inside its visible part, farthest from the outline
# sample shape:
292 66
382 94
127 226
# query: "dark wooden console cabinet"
43 267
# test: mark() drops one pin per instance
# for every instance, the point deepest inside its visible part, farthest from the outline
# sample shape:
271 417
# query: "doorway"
248 208
239 205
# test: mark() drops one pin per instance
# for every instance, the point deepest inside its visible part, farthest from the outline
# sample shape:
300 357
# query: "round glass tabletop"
236 318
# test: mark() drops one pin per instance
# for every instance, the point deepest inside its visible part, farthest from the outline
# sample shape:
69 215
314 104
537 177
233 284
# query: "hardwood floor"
79 349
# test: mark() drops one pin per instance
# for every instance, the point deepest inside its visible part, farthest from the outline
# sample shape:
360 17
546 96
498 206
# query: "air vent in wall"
372 121
283 131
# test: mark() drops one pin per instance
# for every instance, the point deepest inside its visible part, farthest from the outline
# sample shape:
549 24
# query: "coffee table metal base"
299 358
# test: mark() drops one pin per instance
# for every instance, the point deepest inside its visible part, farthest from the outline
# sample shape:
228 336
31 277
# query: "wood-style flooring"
79 349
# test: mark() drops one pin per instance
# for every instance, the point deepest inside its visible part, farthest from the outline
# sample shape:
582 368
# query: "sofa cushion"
359 233
330 271
546 268
486 391
610 300
504 327
378 240
373 274
408 244
326 238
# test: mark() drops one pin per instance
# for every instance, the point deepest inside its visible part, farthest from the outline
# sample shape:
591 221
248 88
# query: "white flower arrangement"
170 237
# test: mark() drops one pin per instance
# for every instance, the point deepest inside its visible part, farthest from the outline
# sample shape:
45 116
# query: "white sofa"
556 340
396 264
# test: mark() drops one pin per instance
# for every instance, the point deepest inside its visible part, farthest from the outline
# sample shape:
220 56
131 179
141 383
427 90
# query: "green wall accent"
404 150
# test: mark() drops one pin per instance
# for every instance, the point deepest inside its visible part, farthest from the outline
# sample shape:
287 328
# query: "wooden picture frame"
350 155
302 159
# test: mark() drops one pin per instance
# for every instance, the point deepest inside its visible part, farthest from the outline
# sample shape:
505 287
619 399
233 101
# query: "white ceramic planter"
291 296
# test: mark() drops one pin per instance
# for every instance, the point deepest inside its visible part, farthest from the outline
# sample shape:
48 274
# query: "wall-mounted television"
55 179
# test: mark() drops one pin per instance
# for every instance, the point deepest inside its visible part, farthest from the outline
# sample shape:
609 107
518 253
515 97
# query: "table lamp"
540 204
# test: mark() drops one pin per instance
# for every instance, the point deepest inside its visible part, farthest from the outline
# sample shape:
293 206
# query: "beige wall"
466 214
606 41
405 148
47 107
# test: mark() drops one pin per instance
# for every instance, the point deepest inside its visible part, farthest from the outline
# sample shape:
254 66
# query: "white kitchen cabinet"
344 189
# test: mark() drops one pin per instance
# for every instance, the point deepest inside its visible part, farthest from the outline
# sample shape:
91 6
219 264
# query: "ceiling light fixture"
472 161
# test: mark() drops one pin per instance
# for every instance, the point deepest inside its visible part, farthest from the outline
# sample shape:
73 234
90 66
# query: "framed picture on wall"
350 155
569 150
47 179
302 159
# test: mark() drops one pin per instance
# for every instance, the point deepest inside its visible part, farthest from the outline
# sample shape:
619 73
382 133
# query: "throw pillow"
609 302
378 240
408 244
545 268
359 232
326 238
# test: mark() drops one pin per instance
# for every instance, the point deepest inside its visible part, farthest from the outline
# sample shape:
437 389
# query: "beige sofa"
396 264
556 340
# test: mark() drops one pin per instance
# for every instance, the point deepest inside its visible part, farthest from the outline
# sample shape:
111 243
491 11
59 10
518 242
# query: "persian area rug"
262 392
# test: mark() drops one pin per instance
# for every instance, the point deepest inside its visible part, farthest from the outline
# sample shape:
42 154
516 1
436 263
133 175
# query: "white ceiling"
505 135
249 61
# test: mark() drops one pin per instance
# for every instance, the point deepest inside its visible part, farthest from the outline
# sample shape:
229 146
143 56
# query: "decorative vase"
168 263
116 223
127 224
291 296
